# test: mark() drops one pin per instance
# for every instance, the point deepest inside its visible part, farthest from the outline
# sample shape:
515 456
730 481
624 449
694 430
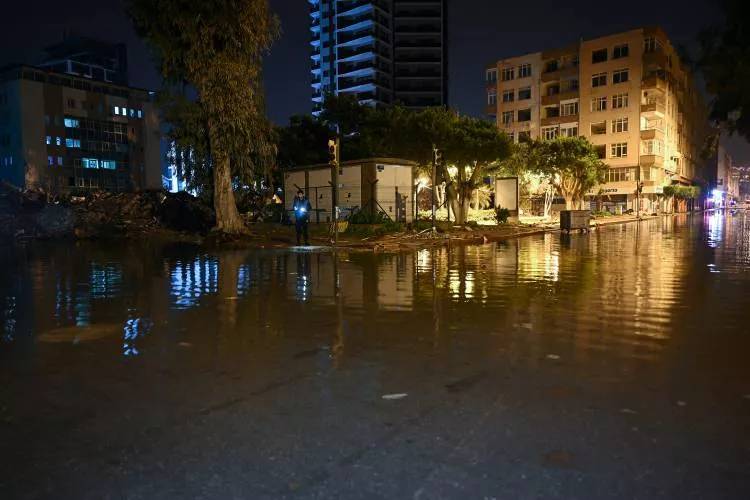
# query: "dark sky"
480 31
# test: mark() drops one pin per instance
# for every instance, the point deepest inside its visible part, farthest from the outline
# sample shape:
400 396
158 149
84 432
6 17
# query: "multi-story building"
67 132
89 58
628 93
381 51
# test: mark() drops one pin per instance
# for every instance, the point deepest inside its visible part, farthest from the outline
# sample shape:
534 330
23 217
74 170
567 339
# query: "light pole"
333 160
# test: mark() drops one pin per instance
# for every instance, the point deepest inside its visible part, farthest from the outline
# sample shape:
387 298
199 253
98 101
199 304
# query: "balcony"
652 161
551 74
550 100
653 108
656 58
654 83
652 133
553 120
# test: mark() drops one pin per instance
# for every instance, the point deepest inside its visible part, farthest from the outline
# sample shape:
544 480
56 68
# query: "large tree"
725 63
217 48
570 164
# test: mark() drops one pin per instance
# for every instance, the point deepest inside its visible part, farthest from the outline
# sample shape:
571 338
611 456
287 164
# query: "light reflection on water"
623 289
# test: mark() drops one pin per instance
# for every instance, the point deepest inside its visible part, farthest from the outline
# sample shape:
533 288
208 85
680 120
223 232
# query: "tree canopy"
216 48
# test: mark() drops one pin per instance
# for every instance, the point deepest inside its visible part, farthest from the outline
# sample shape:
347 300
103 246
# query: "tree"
725 63
571 165
217 48
303 142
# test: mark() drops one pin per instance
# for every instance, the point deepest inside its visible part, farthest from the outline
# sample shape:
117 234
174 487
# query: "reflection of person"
302 210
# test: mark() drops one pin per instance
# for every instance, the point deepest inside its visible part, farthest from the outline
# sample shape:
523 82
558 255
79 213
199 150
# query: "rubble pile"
34 214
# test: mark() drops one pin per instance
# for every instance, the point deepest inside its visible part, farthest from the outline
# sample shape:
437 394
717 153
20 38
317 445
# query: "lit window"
60 160
117 110
124 111
73 143
49 140
132 113
619 150
108 164
140 114
620 76
58 141
599 80
50 160
71 123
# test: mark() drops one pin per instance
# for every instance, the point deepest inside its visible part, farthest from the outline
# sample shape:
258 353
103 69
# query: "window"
619 101
508 95
619 150
601 151
598 128
48 140
619 125
569 131
140 114
549 133
491 98
620 174
89 163
124 111
524 115
524 93
60 160
569 108
71 123
651 44
50 160
620 51
598 103
108 164
507 117
491 75
598 56
117 110
524 71
508 74
599 80
620 76
652 147
72 143
58 141
71 103
132 113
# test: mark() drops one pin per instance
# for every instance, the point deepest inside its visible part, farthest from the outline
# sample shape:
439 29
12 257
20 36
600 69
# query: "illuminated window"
50 160
58 141
48 140
108 164
117 110
89 163
73 143
140 114
60 160
71 123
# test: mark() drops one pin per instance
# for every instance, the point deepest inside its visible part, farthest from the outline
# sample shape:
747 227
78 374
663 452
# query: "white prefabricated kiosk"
372 185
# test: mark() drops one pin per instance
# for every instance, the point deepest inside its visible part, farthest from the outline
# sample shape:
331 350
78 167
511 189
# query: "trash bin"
575 219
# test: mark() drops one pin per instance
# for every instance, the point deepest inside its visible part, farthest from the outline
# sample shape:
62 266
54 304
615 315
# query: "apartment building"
628 93
381 51
64 133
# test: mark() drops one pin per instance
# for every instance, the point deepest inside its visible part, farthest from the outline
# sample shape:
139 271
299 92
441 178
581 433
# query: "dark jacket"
302 208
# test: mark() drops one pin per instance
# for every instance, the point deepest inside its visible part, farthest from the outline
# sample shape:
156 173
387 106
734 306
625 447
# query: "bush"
362 217
501 215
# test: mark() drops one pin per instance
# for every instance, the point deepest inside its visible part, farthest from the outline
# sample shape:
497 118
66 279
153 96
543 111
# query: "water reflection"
621 289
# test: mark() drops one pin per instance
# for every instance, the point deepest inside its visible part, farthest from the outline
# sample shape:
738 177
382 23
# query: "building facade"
628 93
67 133
381 51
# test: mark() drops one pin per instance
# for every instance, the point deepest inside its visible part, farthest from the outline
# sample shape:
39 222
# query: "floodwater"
609 365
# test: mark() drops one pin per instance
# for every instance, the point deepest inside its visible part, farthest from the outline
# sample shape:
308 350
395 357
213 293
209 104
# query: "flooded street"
608 365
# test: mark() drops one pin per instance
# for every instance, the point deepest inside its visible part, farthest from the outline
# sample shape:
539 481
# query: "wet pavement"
607 365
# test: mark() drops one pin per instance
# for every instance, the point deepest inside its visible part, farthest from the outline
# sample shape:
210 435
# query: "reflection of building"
381 51
72 123
628 93
724 178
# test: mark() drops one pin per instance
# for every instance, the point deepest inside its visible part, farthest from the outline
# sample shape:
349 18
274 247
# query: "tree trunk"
227 217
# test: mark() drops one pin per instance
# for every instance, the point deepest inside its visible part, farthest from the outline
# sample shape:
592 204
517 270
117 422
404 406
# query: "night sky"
480 32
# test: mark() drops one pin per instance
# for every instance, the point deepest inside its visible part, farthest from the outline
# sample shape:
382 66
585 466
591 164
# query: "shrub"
501 215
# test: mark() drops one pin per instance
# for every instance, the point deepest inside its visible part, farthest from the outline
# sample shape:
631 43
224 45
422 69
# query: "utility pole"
333 160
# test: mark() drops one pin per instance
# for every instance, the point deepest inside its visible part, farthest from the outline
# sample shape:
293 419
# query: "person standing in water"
302 209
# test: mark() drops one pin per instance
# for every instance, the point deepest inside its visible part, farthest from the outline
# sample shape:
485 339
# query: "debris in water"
399 395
